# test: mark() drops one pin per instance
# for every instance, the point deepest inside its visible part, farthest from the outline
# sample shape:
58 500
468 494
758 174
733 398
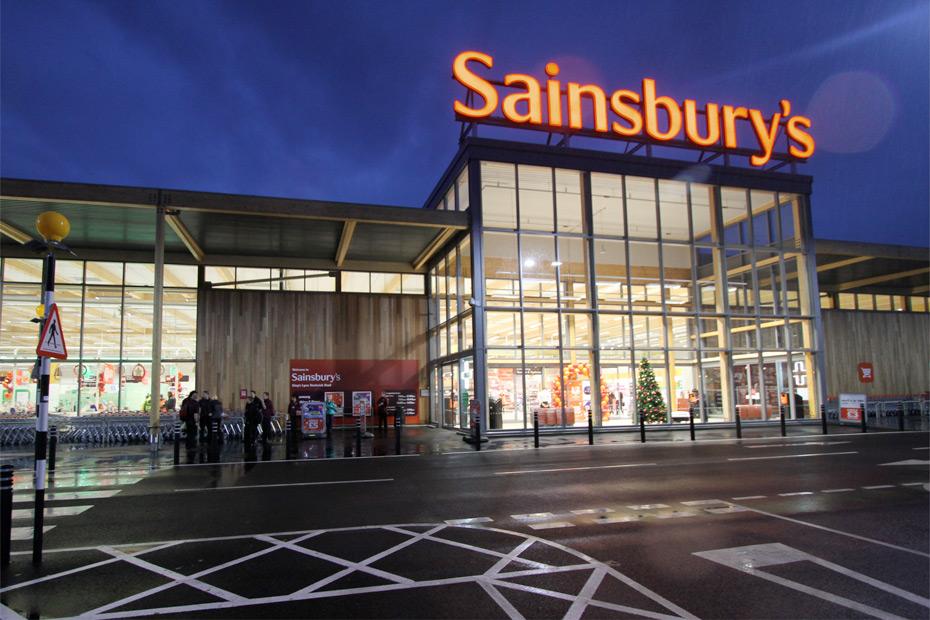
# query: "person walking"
171 404
206 410
253 417
381 409
267 417
188 414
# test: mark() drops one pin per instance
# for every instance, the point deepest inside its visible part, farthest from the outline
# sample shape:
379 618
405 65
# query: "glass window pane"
826 301
676 261
181 276
220 276
883 302
18 336
254 278
462 183
646 291
541 329
501 269
450 199
918 304
498 195
673 210
900 303
321 281
140 274
614 331
607 204
503 329
536 201
293 279
789 227
648 332
568 201
617 384
864 301
702 201
68 272
538 260
576 330
763 222
22 270
102 320
413 284
573 271
682 332
385 283
104 273
137 323
505 393
465 268
355 282
847 301
577 387
179 325
641 207
610 267
733 206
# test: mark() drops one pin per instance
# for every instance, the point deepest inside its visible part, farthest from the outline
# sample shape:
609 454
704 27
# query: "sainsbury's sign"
635 112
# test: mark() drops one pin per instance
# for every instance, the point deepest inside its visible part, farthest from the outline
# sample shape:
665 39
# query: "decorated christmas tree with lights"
649 401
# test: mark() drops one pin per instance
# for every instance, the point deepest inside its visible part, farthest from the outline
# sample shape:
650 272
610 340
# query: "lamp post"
53 227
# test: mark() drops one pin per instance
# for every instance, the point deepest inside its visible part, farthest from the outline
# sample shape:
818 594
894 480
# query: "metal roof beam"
845 286
843 263
14 233
345 240
174 221
438 241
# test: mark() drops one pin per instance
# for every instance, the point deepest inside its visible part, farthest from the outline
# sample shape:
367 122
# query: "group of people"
202 409
258 411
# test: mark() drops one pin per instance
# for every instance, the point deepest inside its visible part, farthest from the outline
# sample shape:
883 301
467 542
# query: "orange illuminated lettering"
730 114
598 98
651 104
711 113
800 136
554 95
626 112
532 97
475 83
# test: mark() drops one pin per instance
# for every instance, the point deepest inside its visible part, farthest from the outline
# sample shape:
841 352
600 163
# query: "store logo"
315 377
659 117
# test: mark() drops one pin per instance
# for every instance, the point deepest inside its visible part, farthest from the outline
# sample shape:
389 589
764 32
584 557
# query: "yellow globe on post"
40 311
53 226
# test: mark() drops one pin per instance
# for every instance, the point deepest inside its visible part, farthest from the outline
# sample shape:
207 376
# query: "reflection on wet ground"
113 465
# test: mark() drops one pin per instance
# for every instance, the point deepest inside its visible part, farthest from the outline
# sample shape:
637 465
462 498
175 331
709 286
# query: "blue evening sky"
352 100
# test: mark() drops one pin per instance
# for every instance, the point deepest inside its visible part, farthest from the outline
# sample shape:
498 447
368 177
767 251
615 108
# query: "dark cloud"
352 100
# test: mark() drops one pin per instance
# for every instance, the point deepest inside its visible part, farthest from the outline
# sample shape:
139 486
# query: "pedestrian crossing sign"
52 341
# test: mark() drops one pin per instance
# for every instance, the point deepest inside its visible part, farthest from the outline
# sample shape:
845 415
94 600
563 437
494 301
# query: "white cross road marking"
561 469
796 493
25 533
703 502
907 462
748 497
592 511
837 490
624 519
912 484
532 515
725 511
289 484
685 513
647 506
50 511
468 521
879 486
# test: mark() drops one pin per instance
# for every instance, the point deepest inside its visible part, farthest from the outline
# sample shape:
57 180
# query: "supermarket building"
536 278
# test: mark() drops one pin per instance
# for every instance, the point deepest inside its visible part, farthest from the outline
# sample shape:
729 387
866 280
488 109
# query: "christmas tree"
649 401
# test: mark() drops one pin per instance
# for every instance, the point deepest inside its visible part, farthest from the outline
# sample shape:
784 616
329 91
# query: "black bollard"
52 446
862 414
535 429
739 426
781 415
177 443
691 421
590 428
901 418
823 417
478 433
642 428
358 436
6 511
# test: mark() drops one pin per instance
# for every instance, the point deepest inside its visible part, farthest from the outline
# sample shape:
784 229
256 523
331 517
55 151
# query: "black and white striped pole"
53 227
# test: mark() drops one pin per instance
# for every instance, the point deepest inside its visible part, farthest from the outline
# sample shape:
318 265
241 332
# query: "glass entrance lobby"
585 275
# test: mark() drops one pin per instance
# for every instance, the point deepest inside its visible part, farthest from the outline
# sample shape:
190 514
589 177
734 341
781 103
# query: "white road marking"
924 448
907 462
592 511
647 506
551 525
837 490
623 519
789 456
547 471
501 601
468 521
289 484
879 486
839 532
25 533
587 593
748 497
532 516
803 443
912 484
751 558
726 510
50 511
682 514
703 502
796 493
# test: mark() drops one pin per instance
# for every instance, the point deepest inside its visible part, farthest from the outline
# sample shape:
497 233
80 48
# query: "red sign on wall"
866 372
336 380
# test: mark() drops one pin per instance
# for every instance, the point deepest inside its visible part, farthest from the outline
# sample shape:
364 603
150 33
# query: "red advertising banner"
337 380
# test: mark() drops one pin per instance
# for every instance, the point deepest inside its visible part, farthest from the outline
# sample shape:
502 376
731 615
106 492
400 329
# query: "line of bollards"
6 512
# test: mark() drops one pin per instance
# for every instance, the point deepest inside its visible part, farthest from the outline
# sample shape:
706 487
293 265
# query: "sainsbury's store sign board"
626 113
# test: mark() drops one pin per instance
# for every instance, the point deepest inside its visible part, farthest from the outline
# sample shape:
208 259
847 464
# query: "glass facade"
107 311
589 277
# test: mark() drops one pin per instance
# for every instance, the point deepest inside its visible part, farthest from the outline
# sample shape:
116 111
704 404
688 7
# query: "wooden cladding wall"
246 339
897 344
